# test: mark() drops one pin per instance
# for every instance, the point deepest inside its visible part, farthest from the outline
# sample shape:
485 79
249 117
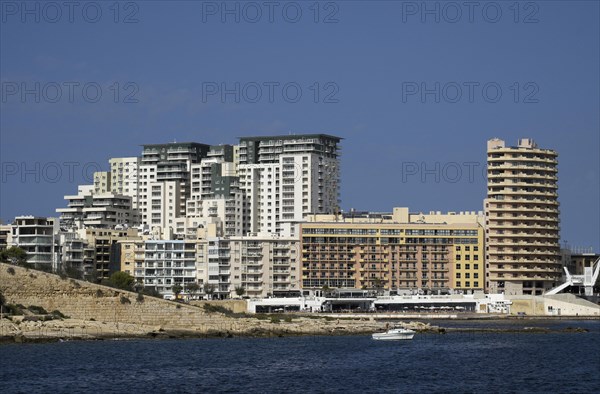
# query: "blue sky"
400 148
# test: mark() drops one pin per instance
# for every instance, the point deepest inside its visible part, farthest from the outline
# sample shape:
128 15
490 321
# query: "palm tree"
240 291
14 255
177 289
378 285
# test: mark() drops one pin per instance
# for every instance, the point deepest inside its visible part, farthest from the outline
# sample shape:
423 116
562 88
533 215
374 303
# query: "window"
457 257
476 257
467 257
467 266
467 284
458 275
476 266
475 284
458 283
457 266
458 247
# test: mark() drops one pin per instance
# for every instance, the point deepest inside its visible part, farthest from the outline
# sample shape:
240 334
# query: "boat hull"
394 336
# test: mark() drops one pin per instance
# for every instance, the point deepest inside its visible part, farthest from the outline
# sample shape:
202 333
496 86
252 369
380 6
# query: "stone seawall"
235 306
84 300
553 305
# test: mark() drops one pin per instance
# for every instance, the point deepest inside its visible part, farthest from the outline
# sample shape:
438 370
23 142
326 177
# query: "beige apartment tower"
522 219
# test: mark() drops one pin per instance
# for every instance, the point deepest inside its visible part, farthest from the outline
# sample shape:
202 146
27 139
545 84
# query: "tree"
14 255
192 288
177 289
121 280
379 285
240 291
73 272
91 275
209 289
152 292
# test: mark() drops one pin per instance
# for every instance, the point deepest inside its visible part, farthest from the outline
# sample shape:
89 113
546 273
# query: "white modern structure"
101 182
37 236
262 266
587 280
105 210
165 264
288 177
124 178
164 182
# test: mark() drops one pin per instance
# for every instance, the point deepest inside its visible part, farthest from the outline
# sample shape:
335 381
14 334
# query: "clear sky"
114 76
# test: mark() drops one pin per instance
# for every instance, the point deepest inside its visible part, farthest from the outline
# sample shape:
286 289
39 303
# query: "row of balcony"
501 277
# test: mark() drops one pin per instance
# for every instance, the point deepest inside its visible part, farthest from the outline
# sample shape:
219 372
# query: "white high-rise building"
215 191
164 182
286 178
102 182
124 178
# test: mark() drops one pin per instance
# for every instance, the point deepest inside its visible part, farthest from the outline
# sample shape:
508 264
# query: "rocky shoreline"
84 330
20 331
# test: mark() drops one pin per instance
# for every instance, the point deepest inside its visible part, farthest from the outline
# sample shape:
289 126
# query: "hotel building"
400 252
522 219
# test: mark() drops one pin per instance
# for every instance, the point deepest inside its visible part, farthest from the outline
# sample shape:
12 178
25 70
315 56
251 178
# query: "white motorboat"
394 334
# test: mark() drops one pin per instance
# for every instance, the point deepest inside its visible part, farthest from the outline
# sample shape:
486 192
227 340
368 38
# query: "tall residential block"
102 182
522 219
288 177
124 178
164 181
215 191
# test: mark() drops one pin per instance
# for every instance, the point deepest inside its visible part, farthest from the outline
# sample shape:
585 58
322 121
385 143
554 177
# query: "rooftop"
291 137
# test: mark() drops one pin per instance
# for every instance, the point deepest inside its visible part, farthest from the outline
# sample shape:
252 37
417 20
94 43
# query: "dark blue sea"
457 362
